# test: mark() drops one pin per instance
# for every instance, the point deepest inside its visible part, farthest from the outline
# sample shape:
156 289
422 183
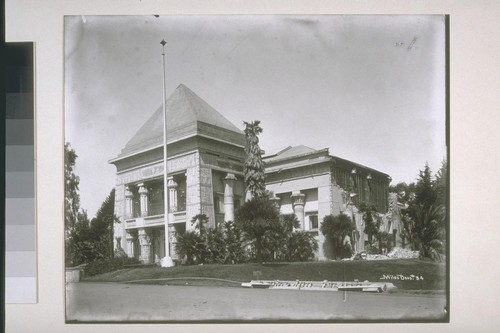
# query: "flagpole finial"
163 42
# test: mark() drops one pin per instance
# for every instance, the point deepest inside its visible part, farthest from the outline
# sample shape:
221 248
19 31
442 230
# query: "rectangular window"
217 208
313 222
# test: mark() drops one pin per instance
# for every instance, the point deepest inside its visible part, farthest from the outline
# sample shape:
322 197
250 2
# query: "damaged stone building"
205 176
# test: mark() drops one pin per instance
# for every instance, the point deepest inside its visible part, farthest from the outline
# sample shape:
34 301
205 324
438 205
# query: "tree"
254 169
85 241
71 195
425 193
75 220
430 240
78 247
337 229
257 218
92 240
441 184
101 228
424 221
405 192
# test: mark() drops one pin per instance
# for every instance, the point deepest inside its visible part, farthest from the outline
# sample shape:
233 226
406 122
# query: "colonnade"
143 234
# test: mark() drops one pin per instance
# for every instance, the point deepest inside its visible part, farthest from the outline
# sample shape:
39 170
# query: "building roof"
298 156
295 157
187 115
290 152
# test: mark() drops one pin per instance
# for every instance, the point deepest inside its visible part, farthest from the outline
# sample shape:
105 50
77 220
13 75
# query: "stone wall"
193 191
206 195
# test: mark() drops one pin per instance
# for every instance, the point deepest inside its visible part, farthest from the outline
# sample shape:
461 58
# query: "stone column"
145 242
229 197
172 195
298 201
143 191
128 203
130 245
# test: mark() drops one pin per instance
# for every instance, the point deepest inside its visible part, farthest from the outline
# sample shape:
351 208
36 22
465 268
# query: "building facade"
205 176
312 184
205 168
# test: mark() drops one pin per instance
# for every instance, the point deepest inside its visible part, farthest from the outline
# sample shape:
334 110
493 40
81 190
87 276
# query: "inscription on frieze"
174 165
152 171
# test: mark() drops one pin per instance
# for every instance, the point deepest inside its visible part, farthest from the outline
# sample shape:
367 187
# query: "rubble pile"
377 257
399 253
396 253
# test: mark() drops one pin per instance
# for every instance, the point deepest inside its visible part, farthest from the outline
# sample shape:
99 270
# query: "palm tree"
190 245
427 231
254 166
430 220
336 229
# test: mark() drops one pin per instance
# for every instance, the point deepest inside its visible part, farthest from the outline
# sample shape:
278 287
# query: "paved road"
130 302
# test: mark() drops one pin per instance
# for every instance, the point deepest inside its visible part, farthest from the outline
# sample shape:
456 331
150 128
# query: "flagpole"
167 261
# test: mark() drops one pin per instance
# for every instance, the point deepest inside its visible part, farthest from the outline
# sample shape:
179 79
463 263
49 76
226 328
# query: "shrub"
301 246
283 243
191 245
235 246
220 245
108 265
228 243
216 246
258 218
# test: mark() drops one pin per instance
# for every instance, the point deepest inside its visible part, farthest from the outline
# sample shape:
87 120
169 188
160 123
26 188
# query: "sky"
369 88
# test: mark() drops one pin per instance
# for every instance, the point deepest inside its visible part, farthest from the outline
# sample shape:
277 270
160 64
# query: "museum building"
205 176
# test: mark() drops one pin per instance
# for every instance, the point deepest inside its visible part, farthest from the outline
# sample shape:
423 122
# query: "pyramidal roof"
187 115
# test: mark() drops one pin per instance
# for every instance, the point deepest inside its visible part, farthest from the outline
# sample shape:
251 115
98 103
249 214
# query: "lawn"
399 272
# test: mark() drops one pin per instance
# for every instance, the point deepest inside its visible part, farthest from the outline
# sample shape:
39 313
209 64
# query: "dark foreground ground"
112 302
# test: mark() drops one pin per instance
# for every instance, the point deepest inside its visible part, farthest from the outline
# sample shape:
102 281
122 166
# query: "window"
216 204
313 222
181 192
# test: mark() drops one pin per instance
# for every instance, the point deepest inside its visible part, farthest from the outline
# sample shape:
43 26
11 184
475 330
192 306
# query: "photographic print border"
464 301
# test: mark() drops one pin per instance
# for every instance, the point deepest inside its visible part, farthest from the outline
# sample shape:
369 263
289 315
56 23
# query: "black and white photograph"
256 169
